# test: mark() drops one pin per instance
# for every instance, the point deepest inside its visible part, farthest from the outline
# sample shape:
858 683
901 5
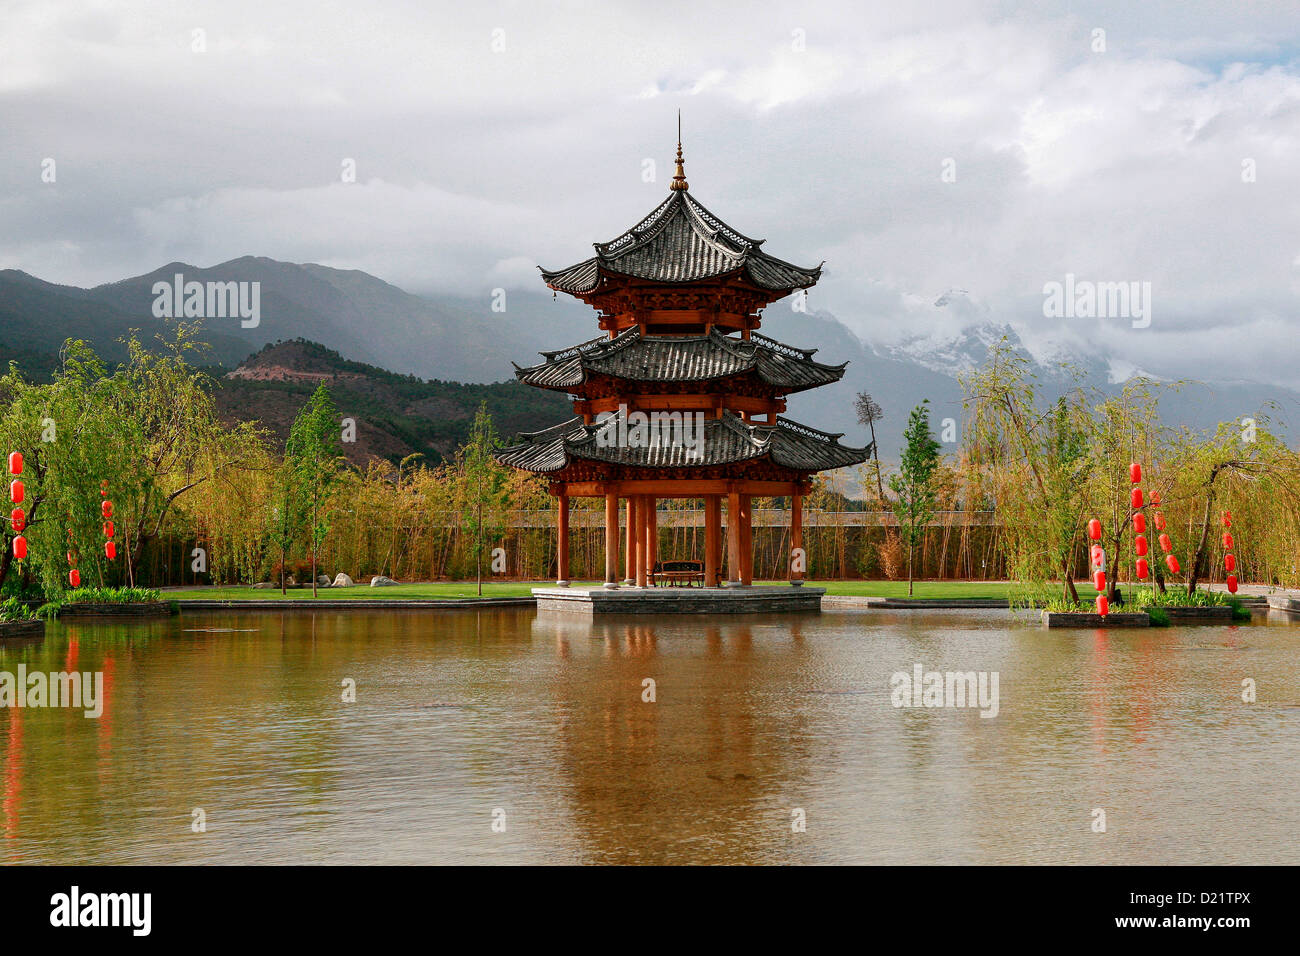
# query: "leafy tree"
312 453
483 484
1032 463
913 486
287 518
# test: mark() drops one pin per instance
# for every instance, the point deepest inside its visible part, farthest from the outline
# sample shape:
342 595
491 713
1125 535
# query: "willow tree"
1126 428
72 442
1031 457
1237 464
176 439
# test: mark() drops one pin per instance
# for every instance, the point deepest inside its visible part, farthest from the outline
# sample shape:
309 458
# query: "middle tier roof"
634 357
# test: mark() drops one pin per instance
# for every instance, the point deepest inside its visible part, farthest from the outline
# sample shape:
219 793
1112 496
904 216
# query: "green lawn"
424 591
447 590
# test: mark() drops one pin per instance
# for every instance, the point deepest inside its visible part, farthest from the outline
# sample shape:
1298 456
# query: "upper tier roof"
632 356
681 241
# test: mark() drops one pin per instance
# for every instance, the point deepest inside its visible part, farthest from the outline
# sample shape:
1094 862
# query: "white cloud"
475 164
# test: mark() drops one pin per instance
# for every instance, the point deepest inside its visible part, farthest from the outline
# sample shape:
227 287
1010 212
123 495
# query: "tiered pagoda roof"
634 357
681 242
668 291
727 441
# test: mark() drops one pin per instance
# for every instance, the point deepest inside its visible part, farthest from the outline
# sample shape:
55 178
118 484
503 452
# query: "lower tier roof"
616 440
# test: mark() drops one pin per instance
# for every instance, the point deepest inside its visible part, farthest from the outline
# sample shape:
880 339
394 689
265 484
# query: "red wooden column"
640 535
796 534
652 536
712 540
629 566
562 544
611 539
733 539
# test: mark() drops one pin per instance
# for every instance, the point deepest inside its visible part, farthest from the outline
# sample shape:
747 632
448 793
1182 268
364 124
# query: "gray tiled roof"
727 440
674 358
681 241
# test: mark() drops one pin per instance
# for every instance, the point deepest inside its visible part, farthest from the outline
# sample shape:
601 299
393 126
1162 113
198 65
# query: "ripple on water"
463 714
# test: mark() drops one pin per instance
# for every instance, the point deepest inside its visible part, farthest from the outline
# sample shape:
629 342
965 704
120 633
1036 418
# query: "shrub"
14 609
1178 597
122 595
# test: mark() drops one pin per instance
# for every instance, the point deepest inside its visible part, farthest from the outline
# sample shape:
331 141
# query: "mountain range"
365 329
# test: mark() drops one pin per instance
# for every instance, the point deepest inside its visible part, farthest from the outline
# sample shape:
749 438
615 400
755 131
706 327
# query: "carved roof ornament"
679 178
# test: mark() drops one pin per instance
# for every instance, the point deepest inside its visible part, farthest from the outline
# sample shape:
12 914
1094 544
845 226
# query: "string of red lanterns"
18 520
74 576
106 509
1140 546
1166 544
17 517
1229 560
1098 554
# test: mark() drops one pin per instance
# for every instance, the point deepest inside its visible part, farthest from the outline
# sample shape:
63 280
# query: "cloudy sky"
1154 142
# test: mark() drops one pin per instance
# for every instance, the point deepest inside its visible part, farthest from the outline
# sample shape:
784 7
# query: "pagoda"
680 297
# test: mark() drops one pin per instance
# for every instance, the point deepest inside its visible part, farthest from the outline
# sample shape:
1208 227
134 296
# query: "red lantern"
1229 563
1099 580
1142 569
1227 540
108 529
1160 521
1136 497
1227 520
20 548
1232 584
1172 563
19 519
1094 529
1165 544
15 463
1139 523
1155 497
72 558
1103 605
1098 554
74 578
106 507
17 492
110 550
1135 472
1140 544
103 488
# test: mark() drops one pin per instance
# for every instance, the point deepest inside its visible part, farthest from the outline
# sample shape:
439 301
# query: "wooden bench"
675 573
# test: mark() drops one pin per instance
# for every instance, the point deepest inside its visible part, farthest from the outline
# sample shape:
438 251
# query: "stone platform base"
1089 619
1199 615
22 630
112 612
914 604
634 600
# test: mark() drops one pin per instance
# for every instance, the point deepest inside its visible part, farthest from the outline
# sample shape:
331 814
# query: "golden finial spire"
679 177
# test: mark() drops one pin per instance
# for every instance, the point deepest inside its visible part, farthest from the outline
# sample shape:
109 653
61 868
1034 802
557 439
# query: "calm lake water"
460 713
